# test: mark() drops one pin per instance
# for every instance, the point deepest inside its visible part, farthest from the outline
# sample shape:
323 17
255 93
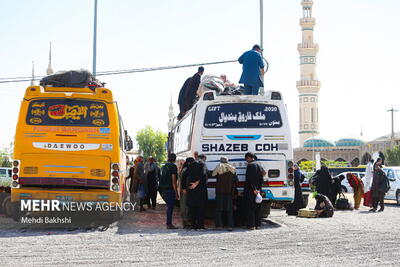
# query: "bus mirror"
129 144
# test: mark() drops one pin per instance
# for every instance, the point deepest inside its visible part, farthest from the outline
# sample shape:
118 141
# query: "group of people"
253 69
144 182
372 187
187 183
376 185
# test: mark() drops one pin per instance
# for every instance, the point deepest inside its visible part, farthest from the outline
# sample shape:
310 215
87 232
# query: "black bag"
73 78
342 203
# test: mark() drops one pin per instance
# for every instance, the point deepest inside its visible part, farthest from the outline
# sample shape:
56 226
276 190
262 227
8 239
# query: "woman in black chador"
324 183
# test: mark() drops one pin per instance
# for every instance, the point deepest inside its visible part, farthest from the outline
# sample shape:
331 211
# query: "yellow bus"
70 146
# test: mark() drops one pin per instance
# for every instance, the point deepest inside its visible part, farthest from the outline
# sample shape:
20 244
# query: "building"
49 70
346 149
351 150
170 116
308 85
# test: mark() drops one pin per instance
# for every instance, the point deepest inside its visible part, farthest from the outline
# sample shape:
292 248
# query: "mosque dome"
317 142
349 142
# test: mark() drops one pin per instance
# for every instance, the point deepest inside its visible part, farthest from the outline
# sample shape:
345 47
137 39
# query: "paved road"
350 238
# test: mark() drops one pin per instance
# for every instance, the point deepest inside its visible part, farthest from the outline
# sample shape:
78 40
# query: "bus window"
183 135
3 173
67 112
242 115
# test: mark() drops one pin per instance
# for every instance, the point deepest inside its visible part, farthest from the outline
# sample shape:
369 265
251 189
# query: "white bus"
231 125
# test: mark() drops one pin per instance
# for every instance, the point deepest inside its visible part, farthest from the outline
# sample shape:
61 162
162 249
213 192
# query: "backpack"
165 175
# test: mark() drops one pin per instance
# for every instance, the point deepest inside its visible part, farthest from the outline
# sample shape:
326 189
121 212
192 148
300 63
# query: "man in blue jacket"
253 66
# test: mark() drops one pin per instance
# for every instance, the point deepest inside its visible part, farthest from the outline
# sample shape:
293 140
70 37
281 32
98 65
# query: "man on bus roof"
191 89
253 66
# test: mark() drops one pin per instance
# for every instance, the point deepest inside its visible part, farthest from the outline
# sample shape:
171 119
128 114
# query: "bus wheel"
15 212
265 208
116 215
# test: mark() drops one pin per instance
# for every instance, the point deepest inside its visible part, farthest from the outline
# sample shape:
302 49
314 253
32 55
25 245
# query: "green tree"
152 143
393 156
5 155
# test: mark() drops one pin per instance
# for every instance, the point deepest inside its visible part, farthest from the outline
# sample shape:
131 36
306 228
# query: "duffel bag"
342 203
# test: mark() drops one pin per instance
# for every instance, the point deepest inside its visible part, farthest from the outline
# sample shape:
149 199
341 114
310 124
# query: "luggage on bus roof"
72 78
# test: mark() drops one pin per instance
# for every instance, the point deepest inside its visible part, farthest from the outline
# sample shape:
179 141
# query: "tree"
152 143
393 156
5 156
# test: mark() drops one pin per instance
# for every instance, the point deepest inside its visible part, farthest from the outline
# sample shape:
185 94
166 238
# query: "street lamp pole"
94 38
313 153
392 111
262 40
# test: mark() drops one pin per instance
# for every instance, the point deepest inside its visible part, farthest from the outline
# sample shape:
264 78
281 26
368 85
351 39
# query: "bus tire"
15 212
116 215
265 208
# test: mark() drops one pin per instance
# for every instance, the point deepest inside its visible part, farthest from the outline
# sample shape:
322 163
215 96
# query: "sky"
358 59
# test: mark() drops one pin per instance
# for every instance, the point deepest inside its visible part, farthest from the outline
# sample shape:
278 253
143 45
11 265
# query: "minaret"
170 116
49 70
308 85
33 73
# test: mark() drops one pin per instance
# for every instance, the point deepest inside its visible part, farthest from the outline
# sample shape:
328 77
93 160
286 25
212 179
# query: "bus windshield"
67 112
242 115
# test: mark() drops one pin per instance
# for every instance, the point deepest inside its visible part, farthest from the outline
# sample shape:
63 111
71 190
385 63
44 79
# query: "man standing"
140 177
224 190
367 180
183 195
252 187
191 89
181 97
253 66
151 171
168 187
197 192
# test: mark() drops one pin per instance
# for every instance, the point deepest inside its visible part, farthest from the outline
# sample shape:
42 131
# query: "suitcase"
307 213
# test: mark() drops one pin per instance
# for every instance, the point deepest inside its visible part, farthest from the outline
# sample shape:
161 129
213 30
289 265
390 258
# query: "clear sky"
358 62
